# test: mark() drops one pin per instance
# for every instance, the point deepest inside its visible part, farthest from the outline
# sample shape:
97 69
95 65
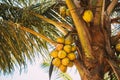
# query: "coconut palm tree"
30 26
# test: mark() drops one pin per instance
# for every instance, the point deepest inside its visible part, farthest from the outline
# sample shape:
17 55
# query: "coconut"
56 62
67 48
71 56
62 54
54 53
60 40
88 15
63 68
65 61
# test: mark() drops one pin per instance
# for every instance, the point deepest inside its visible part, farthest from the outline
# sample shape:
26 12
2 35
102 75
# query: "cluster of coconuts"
64 54
64 11
87 14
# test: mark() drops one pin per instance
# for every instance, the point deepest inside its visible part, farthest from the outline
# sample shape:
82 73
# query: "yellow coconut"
74 48
68 12
62 54
63 11
54 53
56 62
88 15
118 47
65 61
67 48
71 56
63 68
69 40
59 47
70 64
60 40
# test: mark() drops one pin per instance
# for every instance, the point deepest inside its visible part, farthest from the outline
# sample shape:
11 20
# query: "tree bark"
97 39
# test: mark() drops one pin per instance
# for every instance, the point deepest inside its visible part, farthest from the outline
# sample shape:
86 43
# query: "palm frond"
45 66
18 46
110 76
115 68
65 76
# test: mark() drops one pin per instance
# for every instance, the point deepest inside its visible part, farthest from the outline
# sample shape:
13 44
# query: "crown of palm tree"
26 31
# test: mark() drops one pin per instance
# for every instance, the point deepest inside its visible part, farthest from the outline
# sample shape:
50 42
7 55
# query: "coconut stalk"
60 26
81 30
32 32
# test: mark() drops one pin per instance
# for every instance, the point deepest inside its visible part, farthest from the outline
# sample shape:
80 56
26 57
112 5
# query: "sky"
35 72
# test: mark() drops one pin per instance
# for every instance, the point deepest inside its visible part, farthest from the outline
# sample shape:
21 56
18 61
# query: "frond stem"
33 32
111 6
81 30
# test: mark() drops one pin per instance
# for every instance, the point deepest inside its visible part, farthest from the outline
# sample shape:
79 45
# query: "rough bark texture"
100 35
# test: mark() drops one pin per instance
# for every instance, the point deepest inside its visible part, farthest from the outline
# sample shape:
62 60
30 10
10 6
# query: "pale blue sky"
33 72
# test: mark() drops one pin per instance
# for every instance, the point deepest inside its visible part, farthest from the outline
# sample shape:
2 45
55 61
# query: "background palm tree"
30 26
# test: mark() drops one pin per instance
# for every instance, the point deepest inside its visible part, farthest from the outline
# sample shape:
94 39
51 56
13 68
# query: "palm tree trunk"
95 42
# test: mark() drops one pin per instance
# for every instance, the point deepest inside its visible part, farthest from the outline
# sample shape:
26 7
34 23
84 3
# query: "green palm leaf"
17 46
